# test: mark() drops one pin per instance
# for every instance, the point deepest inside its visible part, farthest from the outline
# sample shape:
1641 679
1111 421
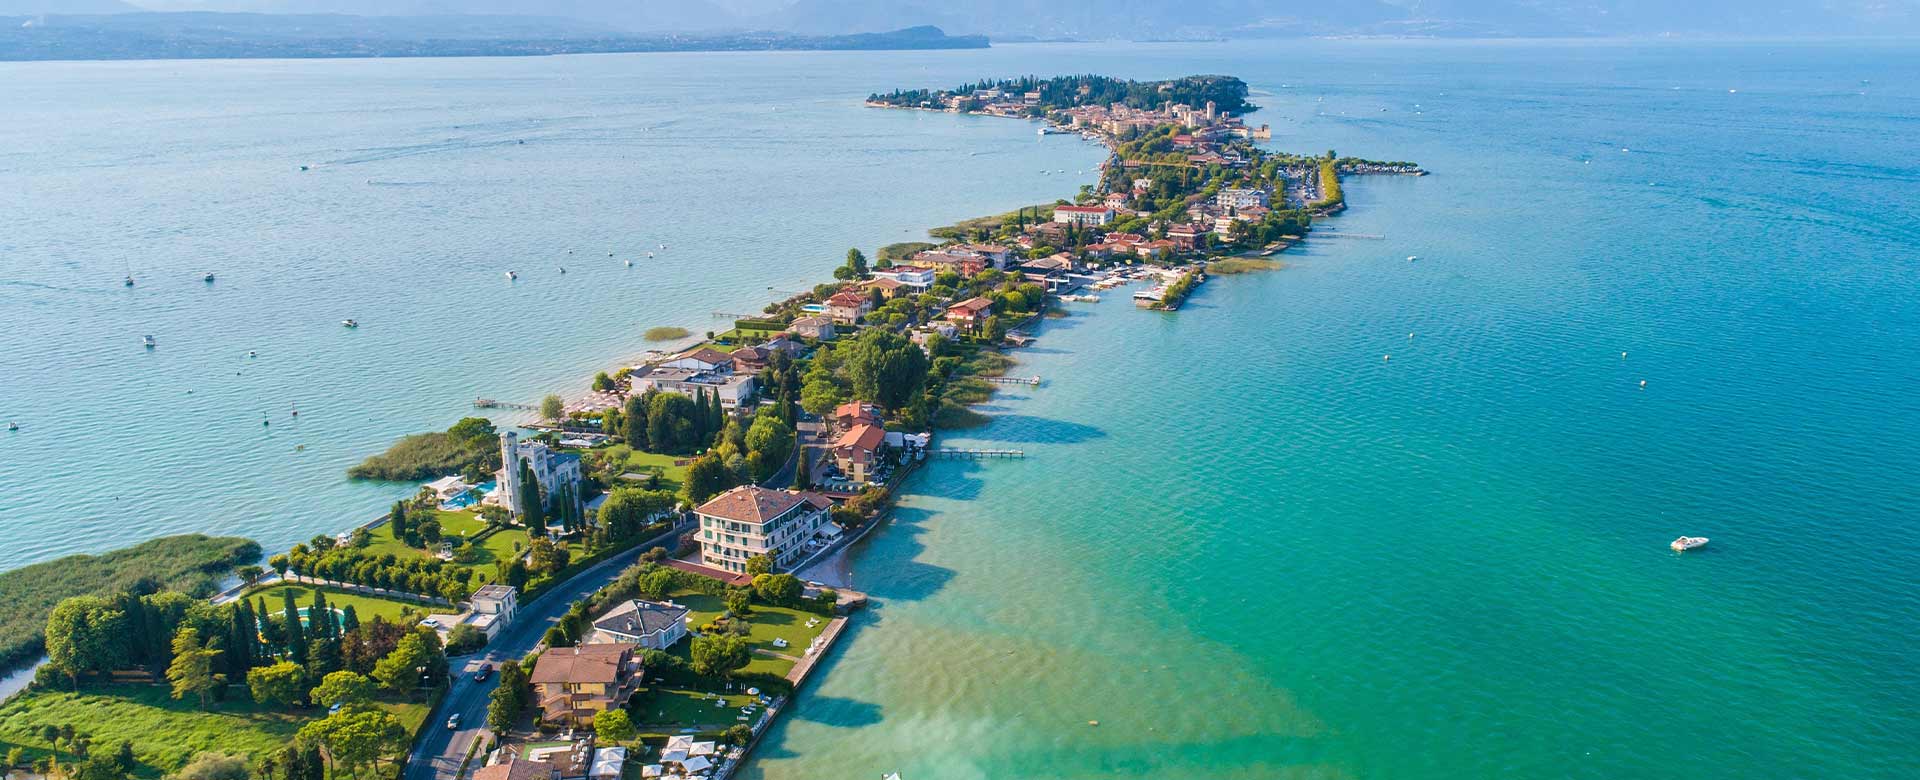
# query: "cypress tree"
159 638
239 647
703 420
296 637
348 620
398 519
718 418
136 611
316 767
633 420
319 618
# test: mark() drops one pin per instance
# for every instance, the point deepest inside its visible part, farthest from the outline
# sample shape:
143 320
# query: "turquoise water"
1243 542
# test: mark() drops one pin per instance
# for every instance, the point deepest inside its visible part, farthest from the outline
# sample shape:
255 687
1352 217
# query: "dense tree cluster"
411 574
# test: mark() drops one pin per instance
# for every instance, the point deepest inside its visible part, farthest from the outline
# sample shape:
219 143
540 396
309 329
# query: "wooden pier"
973 454
1014 380
488 403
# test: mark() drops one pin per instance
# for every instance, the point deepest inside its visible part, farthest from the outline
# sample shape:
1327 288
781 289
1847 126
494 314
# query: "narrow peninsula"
621 584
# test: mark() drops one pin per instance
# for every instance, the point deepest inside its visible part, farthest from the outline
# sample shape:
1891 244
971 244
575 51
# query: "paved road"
438 755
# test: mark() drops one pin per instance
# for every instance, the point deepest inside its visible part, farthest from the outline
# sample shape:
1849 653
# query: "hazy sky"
1152 18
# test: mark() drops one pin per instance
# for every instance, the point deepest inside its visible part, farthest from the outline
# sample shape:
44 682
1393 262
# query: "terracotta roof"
972 305
853 411
884 283
704 355
847 298
584 664
755 504
515 769
862 436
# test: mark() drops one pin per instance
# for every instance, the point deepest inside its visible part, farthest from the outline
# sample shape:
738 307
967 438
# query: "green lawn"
165 733
464 523
668 709
768 623
737 335
634 461
364 607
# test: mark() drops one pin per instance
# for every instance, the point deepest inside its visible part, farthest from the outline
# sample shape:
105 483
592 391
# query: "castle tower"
510 472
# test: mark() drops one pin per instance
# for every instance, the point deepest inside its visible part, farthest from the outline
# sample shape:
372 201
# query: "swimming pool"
469 498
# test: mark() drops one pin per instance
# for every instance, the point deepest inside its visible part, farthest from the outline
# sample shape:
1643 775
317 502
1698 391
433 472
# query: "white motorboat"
1686 543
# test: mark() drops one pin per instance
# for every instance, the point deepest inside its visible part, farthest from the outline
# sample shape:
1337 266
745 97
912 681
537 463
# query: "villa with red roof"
857 451
848 306
970 312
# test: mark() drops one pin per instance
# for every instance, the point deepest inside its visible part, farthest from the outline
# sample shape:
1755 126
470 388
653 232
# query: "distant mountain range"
1106 19
220 35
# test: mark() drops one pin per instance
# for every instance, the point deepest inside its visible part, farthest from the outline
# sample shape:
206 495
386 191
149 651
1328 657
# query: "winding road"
438 754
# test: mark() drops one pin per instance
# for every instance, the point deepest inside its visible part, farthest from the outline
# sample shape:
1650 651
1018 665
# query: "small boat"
129 281
563 269
512 275
12 426
351 323
1686 543
1411 258
629 263
208 278
251 353
148 342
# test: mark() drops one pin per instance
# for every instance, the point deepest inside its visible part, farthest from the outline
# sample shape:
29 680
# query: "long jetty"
977 454
488 403
1014 380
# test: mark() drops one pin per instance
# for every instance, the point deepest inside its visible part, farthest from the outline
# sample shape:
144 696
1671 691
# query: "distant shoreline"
239 36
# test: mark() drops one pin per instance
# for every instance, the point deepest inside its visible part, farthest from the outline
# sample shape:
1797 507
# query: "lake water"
1243 541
